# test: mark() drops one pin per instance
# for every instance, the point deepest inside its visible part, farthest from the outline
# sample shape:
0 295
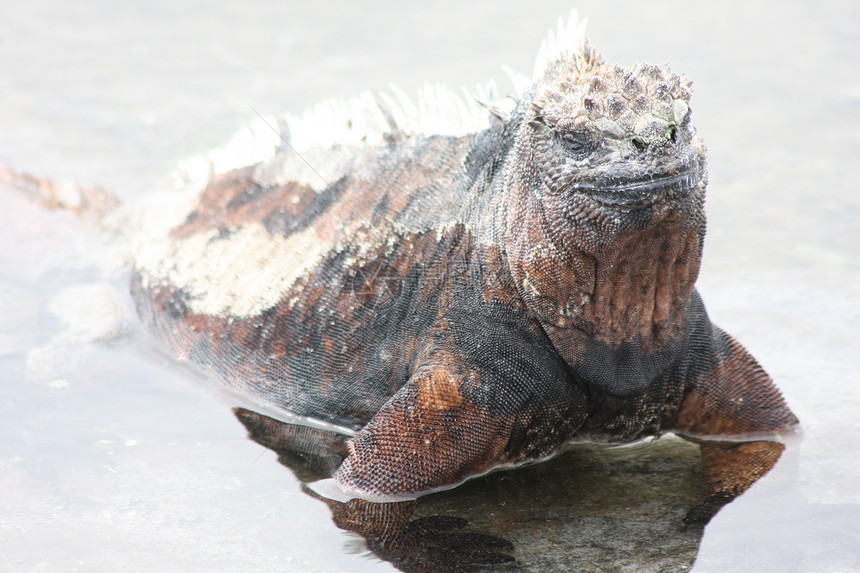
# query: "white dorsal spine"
366 118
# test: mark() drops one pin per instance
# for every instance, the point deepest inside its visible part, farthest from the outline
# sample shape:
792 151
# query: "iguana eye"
577 145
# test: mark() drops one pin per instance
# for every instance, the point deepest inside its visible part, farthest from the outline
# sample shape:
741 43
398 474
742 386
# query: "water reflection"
593 508
392 530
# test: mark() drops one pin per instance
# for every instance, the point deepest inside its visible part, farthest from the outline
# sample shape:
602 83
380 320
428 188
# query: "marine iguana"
476 296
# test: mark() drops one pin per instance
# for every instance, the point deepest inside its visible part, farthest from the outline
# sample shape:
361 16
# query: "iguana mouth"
641 193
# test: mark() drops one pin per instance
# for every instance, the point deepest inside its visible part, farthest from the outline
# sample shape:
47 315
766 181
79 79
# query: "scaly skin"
465 302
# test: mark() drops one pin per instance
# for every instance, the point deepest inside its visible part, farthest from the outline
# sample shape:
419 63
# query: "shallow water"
112 457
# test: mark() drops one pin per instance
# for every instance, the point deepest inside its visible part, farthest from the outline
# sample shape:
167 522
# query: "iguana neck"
614 301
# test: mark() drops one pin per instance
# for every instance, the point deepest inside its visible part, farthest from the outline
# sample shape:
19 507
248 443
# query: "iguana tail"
89 202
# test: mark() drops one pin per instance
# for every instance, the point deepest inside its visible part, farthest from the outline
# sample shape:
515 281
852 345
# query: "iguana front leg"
478 396
430 434
729 396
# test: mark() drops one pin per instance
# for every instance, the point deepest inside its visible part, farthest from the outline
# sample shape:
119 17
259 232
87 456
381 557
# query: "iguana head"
610 139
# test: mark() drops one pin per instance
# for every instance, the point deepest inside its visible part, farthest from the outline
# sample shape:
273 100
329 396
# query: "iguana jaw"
641 193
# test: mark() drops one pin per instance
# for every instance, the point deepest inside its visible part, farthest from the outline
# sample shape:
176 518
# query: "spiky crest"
367 118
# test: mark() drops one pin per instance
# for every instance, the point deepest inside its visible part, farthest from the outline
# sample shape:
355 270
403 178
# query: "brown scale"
641 289
431 442
497 286
235 198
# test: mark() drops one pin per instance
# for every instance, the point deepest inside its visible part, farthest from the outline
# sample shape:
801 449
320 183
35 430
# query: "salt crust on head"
248 272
